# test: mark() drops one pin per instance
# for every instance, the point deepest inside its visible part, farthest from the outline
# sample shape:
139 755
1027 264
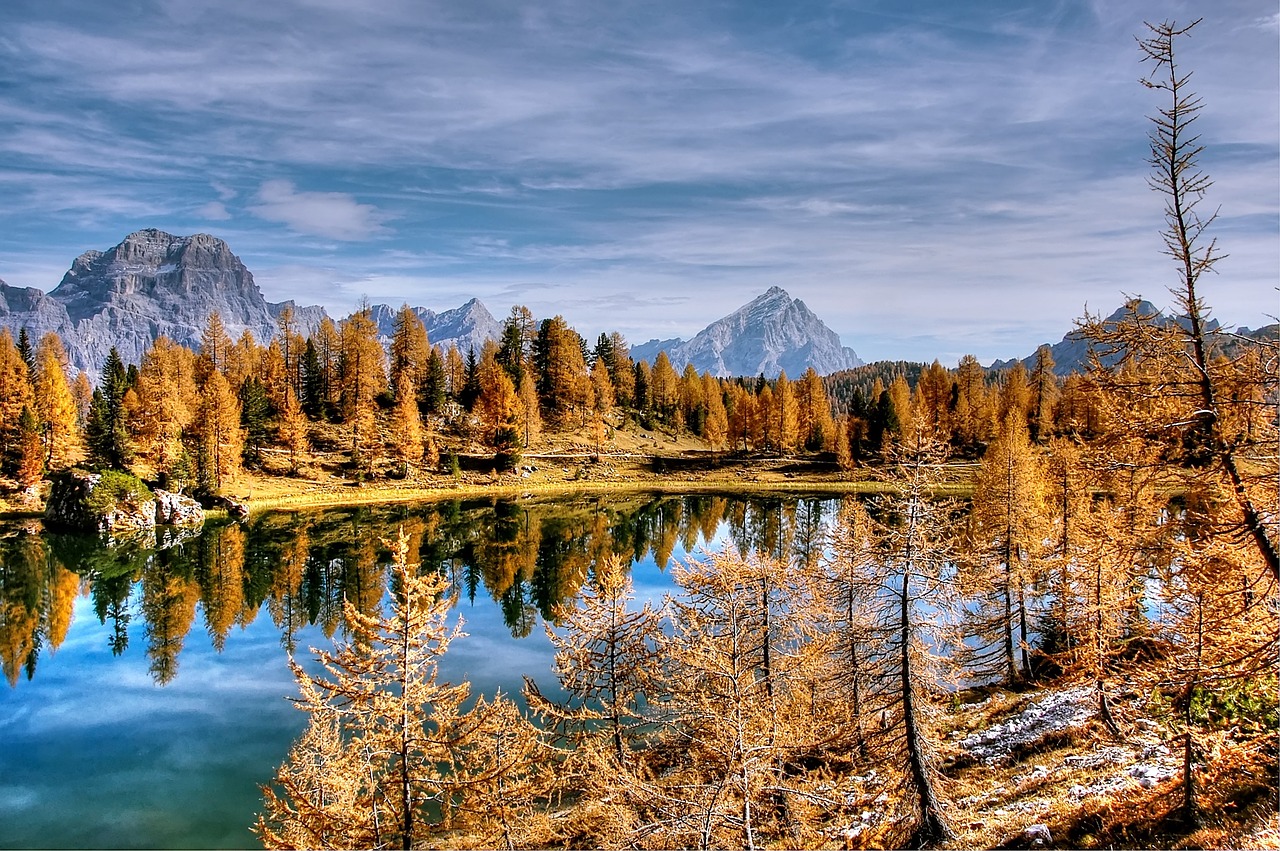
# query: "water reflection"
531 558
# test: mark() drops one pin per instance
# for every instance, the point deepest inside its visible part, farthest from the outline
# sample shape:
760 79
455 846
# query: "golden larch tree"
55 407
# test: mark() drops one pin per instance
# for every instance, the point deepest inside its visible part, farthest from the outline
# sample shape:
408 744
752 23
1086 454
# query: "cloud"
940 170
214 211
333 215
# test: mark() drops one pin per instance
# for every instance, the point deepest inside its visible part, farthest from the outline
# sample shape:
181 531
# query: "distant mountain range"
1071 353
154 283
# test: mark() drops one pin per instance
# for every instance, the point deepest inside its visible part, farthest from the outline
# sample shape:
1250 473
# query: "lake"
148 681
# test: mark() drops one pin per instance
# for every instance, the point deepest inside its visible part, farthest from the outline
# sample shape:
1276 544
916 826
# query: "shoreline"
264 492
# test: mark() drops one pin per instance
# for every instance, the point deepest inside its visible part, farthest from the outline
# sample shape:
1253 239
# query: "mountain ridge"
770 334
154 283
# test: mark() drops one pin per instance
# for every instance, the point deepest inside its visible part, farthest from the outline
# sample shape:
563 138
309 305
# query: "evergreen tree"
471 385
25 351
433 385
255 413
107 435
314 395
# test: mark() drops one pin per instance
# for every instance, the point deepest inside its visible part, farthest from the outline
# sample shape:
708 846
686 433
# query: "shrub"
114 488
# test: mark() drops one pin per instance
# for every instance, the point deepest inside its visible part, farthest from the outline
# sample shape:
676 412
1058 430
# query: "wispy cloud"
945 169
329 214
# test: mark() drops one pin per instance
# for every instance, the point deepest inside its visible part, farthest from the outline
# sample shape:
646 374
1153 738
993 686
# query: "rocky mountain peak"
151 284
770 334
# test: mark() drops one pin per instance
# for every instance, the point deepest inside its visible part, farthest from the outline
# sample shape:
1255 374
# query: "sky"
932 178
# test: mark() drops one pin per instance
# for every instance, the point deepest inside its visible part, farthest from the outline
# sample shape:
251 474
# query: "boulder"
100 502
174 509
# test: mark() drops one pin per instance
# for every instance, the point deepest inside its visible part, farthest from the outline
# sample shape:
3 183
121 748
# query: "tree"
215 344
244 359
30 449
219 437
15 394
409 351
328 346
434 384
25 350
740 675
604 652
562 372
167 402
530 417
498 407
1044 392
406 425
788 412
815 428
664 388
55 407
313 396
382 761
515 349
106 432
933 401
255 410
1219 632
292 347
1175 149
1007 523
716 428
292 428
364 377
973 416
915 541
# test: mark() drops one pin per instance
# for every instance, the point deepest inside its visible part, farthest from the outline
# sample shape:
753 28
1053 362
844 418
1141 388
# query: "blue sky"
931 178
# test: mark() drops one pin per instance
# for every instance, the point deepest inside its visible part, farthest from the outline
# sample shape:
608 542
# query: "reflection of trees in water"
37 595
169 597
531 558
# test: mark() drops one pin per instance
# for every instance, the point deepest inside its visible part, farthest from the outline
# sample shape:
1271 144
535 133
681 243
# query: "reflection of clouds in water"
190 754
140 764
14 799
489 658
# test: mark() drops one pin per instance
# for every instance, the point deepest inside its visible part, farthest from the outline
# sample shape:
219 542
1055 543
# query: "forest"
1120 534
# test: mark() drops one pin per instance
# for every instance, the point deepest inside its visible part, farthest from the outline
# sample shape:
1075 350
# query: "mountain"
306 318
1071 353
769 334
463 328
154 283
32 308
151 284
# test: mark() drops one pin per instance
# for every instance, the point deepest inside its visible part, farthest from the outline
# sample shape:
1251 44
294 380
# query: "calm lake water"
147 684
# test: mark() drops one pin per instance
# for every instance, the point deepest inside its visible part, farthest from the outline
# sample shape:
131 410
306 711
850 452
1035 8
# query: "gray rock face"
154 284
1071 353
151 284
307 318
769 334
174 509
33 309
462 328
68 507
